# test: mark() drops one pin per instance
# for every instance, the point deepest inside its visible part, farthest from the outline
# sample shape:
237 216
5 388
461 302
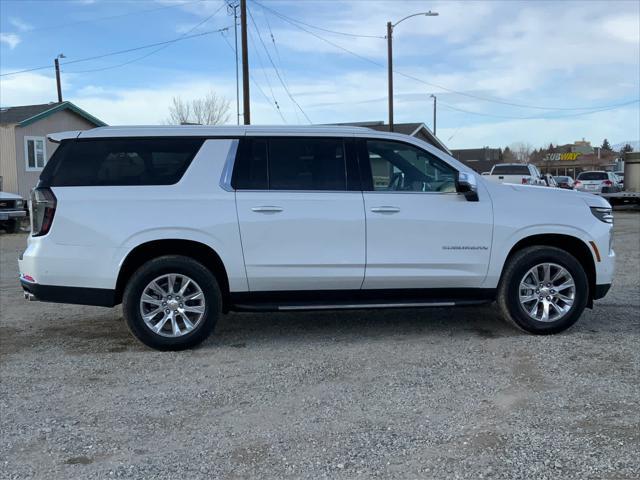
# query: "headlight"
19 203
603 214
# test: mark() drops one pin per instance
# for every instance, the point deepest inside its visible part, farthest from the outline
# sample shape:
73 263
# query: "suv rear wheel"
172 303
543 290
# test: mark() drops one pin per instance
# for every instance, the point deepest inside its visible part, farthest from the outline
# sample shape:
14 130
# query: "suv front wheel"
172 303
543 290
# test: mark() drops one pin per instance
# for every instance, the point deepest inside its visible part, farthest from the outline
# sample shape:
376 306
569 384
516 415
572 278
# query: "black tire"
161 266
516 268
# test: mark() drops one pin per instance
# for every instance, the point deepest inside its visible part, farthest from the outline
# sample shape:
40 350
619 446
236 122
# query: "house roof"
405 128
26 114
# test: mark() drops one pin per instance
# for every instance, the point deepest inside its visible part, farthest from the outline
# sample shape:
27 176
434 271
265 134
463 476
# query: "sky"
503 72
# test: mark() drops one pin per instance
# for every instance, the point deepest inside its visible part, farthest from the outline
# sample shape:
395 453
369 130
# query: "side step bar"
355 306
296 307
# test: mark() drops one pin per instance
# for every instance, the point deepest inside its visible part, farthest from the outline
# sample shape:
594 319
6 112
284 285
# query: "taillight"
524 180
577 183
608 183
43 208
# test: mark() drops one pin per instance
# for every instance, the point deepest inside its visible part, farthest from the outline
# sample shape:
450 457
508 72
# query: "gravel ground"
441 393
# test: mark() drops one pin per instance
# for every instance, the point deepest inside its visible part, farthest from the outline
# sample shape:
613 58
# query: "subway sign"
554 157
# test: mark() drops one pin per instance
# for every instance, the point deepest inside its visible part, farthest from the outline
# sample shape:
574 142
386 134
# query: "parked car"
564 182
620 177
181 224
518 173
549 180
12 211
597 182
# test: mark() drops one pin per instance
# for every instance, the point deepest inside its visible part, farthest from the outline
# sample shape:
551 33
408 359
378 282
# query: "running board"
301 307
283 308
281 301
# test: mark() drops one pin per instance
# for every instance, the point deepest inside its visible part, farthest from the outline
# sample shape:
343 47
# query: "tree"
522 151
507 155
209 110
626 149
606 145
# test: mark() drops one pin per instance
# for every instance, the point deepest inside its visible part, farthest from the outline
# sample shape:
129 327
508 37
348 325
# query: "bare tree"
209 110
522 151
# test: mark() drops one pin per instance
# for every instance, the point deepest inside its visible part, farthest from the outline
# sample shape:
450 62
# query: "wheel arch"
573 245
198 251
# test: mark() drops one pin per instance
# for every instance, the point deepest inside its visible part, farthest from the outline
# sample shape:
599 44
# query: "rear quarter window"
122 161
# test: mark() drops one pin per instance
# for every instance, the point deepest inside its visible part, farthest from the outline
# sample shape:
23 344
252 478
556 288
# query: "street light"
434 112
390 27
56 64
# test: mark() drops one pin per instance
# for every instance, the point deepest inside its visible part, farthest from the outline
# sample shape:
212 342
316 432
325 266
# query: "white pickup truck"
519 173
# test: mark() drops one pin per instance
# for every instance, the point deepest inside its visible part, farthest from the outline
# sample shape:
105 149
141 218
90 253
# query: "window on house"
35 153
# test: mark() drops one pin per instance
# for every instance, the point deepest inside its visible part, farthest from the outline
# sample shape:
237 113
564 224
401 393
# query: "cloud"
28 88
623 27
10 39
20 24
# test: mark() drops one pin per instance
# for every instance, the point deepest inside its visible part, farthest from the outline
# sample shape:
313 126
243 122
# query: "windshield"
510 170
592 176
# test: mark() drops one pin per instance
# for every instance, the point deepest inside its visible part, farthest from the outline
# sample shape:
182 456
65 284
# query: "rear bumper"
99 297
10 214
601 291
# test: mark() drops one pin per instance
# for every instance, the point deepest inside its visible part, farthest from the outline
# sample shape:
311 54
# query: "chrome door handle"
267 209
385 209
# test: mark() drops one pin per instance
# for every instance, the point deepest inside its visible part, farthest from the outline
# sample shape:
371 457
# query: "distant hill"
634 143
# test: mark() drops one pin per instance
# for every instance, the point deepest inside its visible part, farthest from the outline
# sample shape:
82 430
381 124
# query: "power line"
277 109
537 117
296 24
284 85
275 47
153 51
335 32
264 73
120 52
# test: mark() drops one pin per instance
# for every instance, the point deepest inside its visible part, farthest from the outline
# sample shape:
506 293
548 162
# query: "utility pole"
246 107
434 112
390 27
390 72
56 63
234 7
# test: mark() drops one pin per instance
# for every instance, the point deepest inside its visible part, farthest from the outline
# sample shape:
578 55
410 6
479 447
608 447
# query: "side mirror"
467 185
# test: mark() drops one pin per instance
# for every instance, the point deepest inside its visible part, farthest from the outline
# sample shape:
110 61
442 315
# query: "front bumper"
10 214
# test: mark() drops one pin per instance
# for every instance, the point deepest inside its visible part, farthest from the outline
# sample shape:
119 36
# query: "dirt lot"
436 393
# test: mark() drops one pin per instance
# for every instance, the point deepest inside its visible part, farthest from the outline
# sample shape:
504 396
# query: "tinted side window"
306 164
397 166
251 170
122 161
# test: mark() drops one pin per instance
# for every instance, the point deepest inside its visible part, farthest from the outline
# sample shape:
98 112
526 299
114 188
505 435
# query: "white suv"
180 224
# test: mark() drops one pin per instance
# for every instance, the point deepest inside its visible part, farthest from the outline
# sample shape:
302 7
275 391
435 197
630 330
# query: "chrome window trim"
410 192
227 170
299 191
